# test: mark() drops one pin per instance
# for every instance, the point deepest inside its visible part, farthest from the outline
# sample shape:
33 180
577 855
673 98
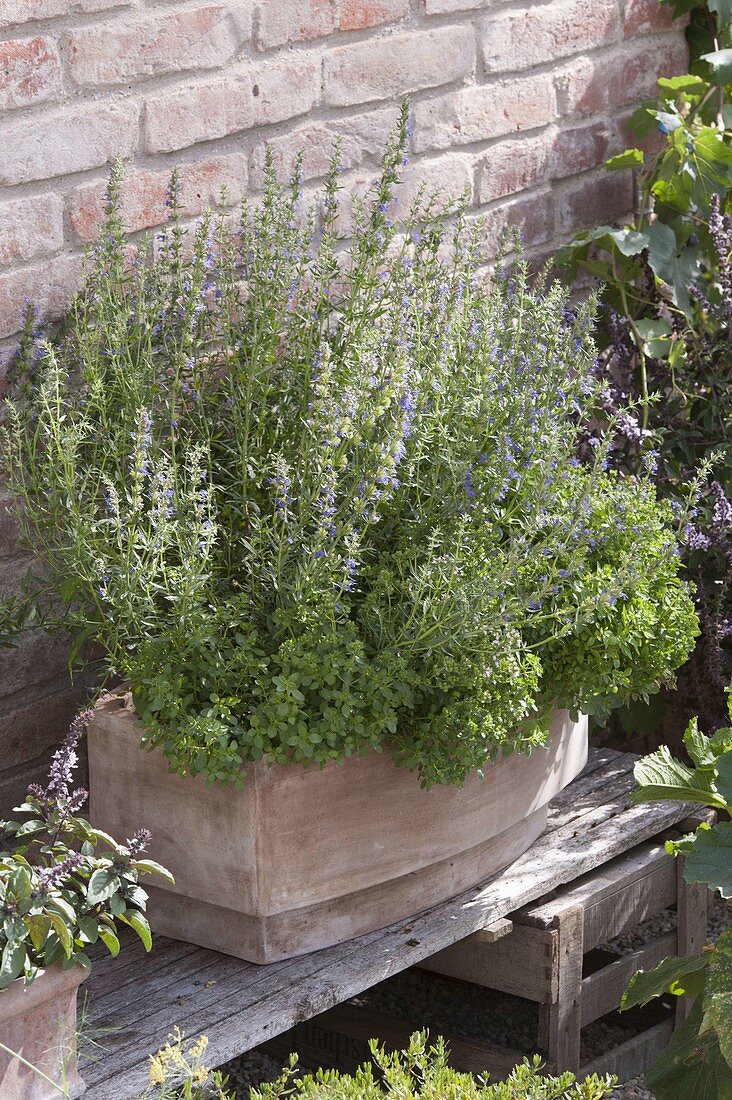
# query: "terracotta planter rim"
21 998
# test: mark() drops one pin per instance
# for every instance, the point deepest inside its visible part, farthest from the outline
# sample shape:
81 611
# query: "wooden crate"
549 953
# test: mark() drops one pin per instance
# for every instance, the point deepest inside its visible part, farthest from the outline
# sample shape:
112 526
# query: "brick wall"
521 103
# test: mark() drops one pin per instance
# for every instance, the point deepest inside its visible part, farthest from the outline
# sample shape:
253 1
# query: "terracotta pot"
38 1021
300 858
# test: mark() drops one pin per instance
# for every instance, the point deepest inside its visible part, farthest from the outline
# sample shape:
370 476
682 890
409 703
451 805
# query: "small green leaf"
12 962
61 930
686 83
102 884
109 939
39 925
150 867
140 925
631 158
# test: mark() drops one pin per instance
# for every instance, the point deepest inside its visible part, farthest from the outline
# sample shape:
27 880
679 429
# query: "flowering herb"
315 502
63 884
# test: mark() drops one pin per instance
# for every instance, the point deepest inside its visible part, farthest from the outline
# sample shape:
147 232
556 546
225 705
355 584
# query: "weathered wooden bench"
134 1001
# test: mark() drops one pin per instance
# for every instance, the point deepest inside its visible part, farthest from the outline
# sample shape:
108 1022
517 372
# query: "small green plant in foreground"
417 1073
63 884
698 1060
313 502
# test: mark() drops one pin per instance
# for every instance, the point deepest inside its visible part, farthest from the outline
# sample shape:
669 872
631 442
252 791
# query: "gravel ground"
473 1012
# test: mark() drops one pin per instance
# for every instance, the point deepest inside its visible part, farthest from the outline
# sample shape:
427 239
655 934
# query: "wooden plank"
603 990
627 908
339 1039
249 1009
692 908
560 1022
525 964
635 1056
592 889
493 932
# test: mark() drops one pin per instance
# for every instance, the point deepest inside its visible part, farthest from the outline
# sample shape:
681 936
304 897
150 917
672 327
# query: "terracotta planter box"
38 1021
301 858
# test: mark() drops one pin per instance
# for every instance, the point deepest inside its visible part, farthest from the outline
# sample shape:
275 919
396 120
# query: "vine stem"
641 356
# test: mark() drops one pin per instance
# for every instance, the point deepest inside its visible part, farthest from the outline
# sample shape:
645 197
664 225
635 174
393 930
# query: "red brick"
30 71
362 139
179 40
174 120
202 112
144 194
513 166
544 32
30 228
355 15
70 140
450 7
530 214
50 285
646 17
283 21
580 148
447 178
15 12
284 90
386 67
595 200
485 111
592 85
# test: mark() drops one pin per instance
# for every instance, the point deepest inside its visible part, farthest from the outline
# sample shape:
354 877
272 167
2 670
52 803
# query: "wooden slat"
603 990
594 887
492 932
560 1022
525 964
693 922
635 1056
250 1004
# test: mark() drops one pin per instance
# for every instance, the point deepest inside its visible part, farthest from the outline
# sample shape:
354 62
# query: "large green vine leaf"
724 778
718 995
673 975
660 776
692 1066
710 860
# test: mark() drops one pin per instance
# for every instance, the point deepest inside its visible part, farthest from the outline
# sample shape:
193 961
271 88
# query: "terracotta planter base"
296 858
271 938
39 1023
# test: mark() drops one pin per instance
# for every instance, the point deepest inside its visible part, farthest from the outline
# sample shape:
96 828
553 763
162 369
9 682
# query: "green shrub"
314 502
422 1073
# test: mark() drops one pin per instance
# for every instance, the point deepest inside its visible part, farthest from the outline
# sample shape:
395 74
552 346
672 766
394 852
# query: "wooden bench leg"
559 1023
692 909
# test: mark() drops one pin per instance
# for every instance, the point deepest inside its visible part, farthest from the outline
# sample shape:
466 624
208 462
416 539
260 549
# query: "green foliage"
63 884
698 1061
314 502
422 1073
666 331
